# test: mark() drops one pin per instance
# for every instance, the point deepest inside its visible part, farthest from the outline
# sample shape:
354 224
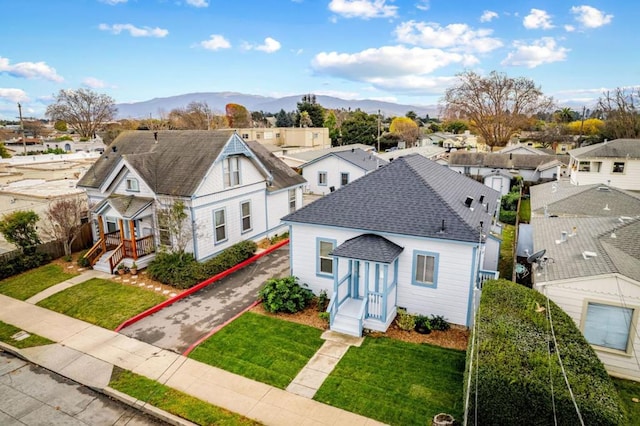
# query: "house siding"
214 180
629 180
277 206
571 297
334 166
121 185
449 299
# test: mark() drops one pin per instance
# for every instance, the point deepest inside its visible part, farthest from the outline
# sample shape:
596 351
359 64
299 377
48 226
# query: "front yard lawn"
7 330
102 302
173 401
261 348
396 382
628 390
32 282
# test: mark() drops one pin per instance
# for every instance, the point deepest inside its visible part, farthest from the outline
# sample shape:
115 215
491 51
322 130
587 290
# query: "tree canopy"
497 106
84 110
621 112
283 119
360 128
406 129
313 109
64 221
196 116
238 116
19 228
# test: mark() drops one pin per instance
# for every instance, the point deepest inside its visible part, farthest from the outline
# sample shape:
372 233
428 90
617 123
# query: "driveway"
182 323
31 395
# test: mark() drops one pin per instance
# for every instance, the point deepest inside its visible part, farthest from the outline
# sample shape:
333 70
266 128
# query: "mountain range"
217 101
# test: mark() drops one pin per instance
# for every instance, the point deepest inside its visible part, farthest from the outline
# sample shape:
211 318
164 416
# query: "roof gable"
411 196
618 148
281 175
355 156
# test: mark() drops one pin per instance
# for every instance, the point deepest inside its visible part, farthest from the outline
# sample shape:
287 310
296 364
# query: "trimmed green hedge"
508 217
181 270
22 263
512 364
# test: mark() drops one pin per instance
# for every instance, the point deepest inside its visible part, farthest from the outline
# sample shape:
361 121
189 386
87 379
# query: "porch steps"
346 321
103 263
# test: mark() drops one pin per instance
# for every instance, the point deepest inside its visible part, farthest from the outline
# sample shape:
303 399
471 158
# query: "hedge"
512 369
508 217
22 263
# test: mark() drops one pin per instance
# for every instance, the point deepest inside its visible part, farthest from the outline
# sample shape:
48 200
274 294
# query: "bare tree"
175 226
196 116
84 110
63 220
496 106
621 113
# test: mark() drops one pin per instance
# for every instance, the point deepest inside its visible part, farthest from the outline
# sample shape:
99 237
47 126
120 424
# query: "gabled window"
618 167
609 326
245 211
324 262
292 200
322 178
344 178
425 269
231 169
220 225
132 185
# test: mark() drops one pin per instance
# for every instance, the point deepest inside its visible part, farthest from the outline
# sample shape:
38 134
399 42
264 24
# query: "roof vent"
589 254
623 218
155 136
481 200
563 237
468 201
114 148
603 188
606 207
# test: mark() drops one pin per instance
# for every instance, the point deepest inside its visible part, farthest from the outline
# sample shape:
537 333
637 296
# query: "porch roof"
128 206
369 247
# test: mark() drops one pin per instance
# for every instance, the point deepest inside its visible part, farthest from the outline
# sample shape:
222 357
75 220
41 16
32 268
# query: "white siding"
214 180
629 180
572 296
121 185
450 298
334 166
278 207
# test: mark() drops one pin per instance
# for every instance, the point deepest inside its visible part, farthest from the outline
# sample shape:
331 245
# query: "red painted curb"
218 328
199 286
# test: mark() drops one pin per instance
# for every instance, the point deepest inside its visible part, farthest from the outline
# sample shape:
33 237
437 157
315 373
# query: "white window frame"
246 217
292 200
323 247
322 178
344 176
603 328
231 171
132 185
222 225
621 164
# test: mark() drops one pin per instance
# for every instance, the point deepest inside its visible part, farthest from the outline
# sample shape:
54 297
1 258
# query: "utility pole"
581 127
378 130
24 140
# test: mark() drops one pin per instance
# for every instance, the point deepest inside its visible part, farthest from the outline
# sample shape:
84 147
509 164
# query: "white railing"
376 309
485 276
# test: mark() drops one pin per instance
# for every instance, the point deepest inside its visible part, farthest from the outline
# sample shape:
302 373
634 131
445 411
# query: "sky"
403 51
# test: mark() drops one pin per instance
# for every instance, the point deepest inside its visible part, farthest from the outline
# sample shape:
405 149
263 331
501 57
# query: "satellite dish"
535 256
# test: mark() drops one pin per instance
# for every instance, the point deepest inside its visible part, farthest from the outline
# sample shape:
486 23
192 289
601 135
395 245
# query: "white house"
337 168
410 234
616 163
232 190
591 265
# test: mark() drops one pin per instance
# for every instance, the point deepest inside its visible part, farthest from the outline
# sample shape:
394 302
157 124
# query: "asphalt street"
181 324
31 395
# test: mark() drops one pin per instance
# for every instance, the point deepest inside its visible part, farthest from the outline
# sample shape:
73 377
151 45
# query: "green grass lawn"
397 382
525 210
32 282
261 348
173 401
7 330
102 302
627 390
505 264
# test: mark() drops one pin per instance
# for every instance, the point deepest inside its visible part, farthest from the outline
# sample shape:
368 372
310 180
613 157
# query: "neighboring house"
336 169
431 152
521 149
615 162
449 140
532 167
296 157
411 234
562 147
232 190
308 137
591 265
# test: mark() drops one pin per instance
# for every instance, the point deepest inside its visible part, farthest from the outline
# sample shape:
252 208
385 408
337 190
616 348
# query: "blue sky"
405 51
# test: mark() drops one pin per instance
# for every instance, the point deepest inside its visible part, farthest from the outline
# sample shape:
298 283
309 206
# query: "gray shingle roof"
283 175
618 148
312 154
127 205
562 198
365 160
503 161
368 247
410 196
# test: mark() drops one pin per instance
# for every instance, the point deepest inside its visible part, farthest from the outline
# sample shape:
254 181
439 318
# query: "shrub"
82 261
510 200
508 217
323 301
284 295
228 258
512 382
178 269
438 322
423 324
405 320
23 263
324 316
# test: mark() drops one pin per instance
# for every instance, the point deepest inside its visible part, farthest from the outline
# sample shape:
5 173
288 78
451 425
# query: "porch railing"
485 276
375 309
116 257
112 240
333 307
94 253
361 314
145 245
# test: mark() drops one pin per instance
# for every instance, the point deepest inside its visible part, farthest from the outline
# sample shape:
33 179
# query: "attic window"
132 185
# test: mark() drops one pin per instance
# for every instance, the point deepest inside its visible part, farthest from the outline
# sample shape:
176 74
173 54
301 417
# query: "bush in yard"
23 263
438 322
512 382
405 320
284 295
178 269
82 261
228 258
508 217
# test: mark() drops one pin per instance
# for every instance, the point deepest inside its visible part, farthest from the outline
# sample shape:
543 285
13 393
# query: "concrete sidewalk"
87 353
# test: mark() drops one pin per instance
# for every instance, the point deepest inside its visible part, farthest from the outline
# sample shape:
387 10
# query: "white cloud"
569 28
270 45
198 3
29 70
13 95
423 5
113 2
94 83
418 84
537 19
215 42
542 51
364 9
134 31
488 16
590 17
454 36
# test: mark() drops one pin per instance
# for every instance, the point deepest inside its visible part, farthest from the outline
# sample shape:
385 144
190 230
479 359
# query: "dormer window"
231 169
132 185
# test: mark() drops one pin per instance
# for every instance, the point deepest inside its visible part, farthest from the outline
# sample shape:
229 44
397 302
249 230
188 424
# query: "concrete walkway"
87 353
84 276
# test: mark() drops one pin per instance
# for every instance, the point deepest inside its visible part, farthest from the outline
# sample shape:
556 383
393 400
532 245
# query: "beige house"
309 137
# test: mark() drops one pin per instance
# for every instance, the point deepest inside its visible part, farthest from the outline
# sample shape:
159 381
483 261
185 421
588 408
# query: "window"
163 228
258 135
220 225
322 178
467 170
324 260
618 167
425 269
584 166
245 209
132 185
608 326
231 170
111 225
245 136
344 178
292 200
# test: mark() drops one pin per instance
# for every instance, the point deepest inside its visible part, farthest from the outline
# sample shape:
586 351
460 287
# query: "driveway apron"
182 323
